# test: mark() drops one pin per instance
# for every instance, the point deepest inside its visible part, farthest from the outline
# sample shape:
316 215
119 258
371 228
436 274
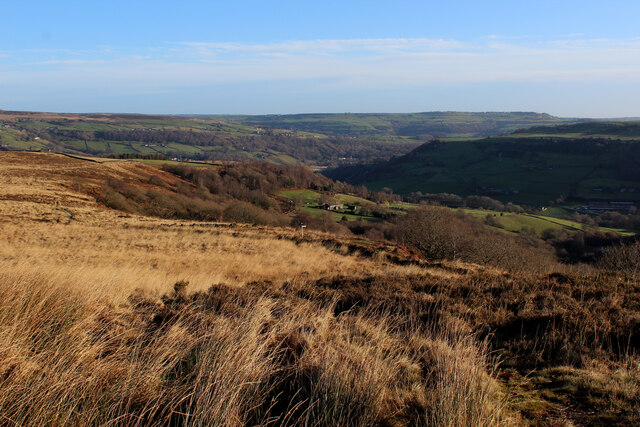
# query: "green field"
554 218
338 216
311 204
306 196
352 200
193 138
537 224
595 129
409 126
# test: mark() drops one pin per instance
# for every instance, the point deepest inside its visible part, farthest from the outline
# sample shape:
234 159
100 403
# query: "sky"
564 57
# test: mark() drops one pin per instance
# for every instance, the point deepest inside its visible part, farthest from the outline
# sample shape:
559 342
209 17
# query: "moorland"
138 292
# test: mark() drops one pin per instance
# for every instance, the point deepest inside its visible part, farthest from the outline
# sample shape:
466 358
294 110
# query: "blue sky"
569 58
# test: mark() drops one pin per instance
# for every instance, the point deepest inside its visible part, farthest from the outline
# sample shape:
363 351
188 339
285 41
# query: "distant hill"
321 140
587 161
185 138
402 126
621 129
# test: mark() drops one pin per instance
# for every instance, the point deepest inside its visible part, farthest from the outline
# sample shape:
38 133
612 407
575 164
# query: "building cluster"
597 206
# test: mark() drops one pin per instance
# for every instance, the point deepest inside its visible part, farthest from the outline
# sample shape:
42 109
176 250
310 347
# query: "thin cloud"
341 65
63 62
402 62
321 47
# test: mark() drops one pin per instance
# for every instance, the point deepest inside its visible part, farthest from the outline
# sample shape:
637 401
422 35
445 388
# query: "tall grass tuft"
228 357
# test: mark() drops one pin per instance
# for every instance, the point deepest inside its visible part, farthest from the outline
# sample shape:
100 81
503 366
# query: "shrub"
437 232
443 234
114 200
492 221
247 213
623 258
483 202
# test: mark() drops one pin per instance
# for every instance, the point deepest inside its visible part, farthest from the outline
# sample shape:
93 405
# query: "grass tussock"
230 356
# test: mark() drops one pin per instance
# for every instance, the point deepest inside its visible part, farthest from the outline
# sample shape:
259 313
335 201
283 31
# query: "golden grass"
70 359
93 331
120 259
46 225
275 329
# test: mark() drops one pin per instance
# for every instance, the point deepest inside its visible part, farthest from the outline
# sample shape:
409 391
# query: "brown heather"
109 318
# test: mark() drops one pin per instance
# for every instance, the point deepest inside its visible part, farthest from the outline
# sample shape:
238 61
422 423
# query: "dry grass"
230 356
120 258
98 325
93 331
48 226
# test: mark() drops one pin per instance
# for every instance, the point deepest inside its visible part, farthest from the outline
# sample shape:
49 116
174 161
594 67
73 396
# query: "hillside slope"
626 129
129 135
408 125
575 162
116 318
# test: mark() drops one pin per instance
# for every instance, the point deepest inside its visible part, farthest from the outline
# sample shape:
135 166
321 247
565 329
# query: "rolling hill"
317 140
581 162
184 138
416 126
629 129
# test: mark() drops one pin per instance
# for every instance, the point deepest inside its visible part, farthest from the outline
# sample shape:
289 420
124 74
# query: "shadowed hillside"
573 162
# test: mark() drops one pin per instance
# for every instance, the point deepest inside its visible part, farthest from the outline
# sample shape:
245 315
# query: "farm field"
537 224
390 127
311 203
553 218
316 140
625 130
182 138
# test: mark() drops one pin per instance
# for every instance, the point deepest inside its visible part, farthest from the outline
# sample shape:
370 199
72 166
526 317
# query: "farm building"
601 206
333 206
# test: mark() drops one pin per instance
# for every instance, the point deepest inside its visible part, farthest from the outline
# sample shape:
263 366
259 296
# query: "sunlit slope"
130 135
407 125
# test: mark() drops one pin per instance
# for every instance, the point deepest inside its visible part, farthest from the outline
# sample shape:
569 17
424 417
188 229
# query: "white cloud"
320 47
401 62
71 62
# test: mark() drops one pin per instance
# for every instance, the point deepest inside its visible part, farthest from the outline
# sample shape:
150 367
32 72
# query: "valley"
536 168
320 214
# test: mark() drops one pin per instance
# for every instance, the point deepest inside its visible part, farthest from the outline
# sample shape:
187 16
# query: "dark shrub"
247 213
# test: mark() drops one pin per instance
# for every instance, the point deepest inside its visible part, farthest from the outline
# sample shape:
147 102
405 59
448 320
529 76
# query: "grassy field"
311 200
394 127
352 200
537 224
553 218
317 212
624 130
306 196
